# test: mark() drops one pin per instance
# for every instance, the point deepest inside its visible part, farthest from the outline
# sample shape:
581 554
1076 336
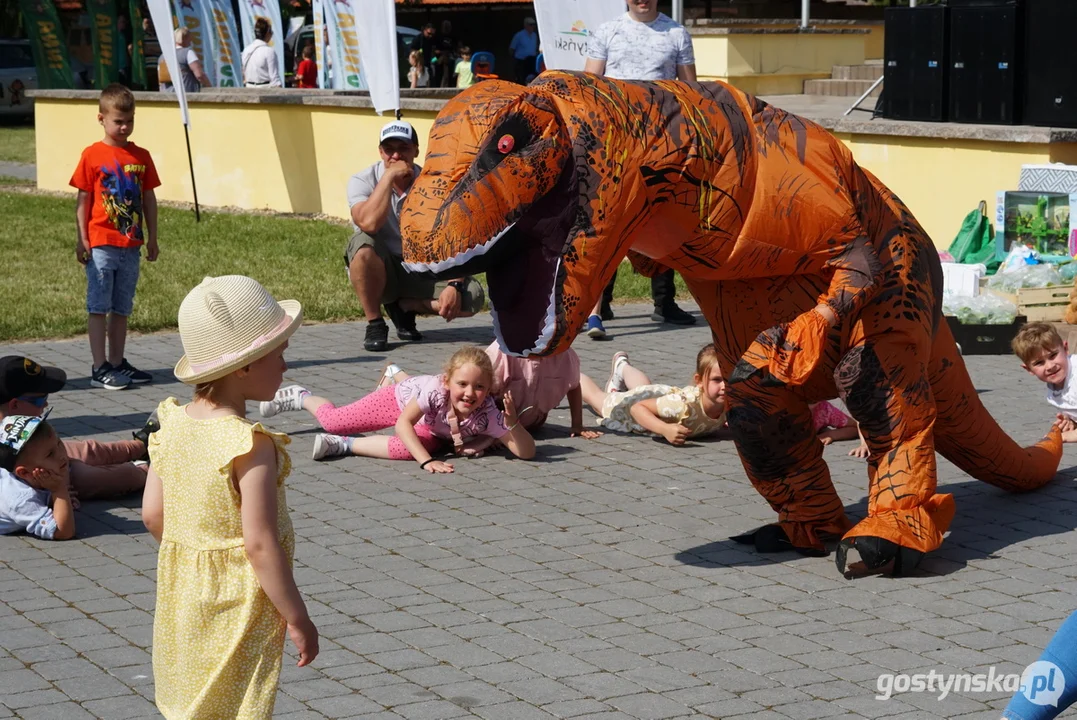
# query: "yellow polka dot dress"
217 638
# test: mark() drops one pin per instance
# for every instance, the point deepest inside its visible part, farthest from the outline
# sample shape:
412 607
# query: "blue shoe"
595 331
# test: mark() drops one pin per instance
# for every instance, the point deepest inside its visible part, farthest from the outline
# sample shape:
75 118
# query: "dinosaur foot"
877 557
772 539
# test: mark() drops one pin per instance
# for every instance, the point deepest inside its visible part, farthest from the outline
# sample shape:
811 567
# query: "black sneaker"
138 377
404 322
143 435
377 336
674 316
108 377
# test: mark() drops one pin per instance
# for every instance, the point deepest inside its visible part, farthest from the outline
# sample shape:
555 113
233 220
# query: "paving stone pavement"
594 582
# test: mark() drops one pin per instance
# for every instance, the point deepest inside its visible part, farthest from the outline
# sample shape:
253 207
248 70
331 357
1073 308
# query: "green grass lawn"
17 144
45 287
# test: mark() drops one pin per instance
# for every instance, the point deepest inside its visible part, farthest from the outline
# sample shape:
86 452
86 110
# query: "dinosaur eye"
506 143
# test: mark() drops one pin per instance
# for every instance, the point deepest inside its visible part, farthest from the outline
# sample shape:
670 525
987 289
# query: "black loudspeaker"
984 64
915 63
1050 73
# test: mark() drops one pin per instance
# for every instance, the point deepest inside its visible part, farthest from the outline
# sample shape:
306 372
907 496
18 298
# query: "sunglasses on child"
38 401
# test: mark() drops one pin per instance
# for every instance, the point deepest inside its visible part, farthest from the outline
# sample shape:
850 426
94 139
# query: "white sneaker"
289 399
326 445
616 383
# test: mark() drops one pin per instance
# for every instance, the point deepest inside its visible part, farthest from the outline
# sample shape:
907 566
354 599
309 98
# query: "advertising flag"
105 37
378 51
47 44
566 25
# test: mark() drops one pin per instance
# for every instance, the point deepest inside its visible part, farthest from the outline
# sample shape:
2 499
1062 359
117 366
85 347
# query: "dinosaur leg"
883 381
776 440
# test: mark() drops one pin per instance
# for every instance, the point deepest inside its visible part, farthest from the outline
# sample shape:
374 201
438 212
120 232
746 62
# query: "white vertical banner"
161 17
191 15
566 25
344 44
220 25
250 11
378 50
320 40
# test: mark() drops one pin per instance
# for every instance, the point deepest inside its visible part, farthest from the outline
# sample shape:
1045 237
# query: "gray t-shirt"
641 51
361 186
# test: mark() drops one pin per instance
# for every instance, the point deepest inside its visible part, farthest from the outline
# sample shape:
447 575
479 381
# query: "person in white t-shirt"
260 68
642 44
1045 354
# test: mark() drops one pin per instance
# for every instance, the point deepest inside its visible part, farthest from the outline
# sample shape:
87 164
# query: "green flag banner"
46 40
138 59
106 42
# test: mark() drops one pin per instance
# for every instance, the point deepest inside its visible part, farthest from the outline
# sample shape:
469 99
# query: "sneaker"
674 316
326 445
377 336
595 331
289 399
404 322
616 383
388 376
108 377
138 377
143 435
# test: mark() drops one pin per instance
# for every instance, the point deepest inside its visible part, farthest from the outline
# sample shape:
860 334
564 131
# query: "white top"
641 51
422 74
24 509
1065 398
260 65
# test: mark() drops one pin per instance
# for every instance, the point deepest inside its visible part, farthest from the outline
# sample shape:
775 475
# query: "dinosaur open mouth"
523 266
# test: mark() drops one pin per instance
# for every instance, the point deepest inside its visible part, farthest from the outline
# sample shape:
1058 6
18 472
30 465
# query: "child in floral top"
632 403
832 425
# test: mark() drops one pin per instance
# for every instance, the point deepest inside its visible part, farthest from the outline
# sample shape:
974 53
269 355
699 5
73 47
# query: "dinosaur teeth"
548 327
459 259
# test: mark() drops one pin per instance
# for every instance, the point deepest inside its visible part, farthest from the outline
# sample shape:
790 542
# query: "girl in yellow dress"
215 501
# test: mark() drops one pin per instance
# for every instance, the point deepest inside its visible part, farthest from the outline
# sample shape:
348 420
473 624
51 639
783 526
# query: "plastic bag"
975 241
1018 257
1026 276
984 309
1068 272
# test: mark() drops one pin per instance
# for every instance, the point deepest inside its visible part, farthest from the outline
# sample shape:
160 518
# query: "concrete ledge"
706 31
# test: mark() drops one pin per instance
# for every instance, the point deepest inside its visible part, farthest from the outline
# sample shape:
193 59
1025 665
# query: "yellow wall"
942 180
298 158
774 63
873 40
290 158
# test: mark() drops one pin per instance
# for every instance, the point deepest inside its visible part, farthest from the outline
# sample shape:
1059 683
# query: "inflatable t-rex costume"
778 234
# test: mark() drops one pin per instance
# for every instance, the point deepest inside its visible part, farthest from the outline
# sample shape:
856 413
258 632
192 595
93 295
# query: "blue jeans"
111 278
1029 702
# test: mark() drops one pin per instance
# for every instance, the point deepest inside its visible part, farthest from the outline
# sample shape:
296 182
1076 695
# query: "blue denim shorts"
111 277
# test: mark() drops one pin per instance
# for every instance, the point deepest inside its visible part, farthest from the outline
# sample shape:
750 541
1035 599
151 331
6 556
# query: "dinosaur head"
504 191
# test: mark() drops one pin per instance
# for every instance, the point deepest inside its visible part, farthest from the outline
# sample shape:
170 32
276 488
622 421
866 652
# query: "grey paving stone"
59 711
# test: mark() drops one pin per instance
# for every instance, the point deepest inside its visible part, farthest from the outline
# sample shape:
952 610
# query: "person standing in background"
642 44
524 49
260 67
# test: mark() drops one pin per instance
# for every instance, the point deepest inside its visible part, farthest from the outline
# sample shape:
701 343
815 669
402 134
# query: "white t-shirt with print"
24 509
641 51
1065 398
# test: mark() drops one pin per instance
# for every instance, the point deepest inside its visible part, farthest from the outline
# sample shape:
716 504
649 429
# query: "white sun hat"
229 322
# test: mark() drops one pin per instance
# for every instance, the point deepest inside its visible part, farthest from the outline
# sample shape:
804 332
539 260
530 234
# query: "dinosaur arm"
857 277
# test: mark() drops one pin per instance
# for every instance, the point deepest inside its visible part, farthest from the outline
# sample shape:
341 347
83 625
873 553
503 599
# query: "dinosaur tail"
967 435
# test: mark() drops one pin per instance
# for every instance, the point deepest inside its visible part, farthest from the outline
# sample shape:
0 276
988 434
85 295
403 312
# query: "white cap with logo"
401 130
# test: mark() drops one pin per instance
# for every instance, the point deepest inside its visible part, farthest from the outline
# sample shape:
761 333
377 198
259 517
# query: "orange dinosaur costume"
816 280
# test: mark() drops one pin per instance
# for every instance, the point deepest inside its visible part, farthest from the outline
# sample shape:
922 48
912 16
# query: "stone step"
839 88
867 71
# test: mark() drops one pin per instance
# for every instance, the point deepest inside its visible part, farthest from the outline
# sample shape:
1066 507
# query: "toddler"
1044 354
418 75
426 412
215 502
632 403
35 492
832 425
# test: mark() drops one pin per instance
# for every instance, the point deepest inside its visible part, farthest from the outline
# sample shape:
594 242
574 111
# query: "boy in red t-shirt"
307 72
115 179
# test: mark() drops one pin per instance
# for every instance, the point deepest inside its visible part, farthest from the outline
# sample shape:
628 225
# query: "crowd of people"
213 481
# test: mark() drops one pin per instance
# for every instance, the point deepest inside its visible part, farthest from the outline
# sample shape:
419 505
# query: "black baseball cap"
22 376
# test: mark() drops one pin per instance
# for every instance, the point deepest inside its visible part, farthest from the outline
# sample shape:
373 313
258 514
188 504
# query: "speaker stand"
856 105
